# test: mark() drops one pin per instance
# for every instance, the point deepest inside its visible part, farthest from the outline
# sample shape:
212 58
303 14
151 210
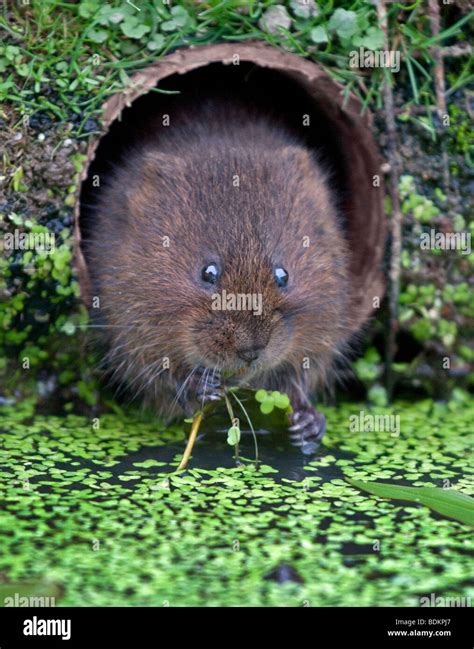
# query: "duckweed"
99 513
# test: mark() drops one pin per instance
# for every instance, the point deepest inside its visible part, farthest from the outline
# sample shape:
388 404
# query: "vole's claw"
307 428
205 397
201 388
208 387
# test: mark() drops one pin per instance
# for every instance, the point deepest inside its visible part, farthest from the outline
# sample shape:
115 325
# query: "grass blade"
446 502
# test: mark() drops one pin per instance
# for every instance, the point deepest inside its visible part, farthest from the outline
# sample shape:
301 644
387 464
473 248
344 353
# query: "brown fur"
181 184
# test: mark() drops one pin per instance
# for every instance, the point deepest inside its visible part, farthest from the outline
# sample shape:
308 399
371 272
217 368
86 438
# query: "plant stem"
191 441
435 19
232 419
396 217
250 424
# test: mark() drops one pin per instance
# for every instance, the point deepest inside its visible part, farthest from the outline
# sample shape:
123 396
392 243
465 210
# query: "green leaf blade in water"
446 502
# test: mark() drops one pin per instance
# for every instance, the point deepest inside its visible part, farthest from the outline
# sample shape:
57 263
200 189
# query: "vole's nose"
249 354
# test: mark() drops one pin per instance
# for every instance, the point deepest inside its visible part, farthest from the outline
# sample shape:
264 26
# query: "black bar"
240 628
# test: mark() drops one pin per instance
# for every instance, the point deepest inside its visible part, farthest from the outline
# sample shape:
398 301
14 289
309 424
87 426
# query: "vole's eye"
281 276
210 273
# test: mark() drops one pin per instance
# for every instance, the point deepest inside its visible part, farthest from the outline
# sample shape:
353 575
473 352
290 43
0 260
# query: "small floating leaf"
280 400
267 407
233 435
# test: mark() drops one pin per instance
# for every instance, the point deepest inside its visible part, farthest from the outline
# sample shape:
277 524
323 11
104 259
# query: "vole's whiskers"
112 355
182 388
205 376
105 326
147 370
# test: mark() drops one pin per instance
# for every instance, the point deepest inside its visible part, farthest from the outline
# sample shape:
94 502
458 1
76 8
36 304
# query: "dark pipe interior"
331 133
272 90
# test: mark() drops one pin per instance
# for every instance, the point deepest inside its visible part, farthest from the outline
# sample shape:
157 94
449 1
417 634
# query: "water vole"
216 252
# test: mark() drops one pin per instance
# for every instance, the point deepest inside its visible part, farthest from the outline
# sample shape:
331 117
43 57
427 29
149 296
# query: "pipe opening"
302 96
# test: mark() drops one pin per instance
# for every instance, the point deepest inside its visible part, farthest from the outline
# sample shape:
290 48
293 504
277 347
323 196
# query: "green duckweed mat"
91 511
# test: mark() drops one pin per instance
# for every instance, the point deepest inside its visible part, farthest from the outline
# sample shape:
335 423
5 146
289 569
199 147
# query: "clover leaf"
319 35
344 23
132 28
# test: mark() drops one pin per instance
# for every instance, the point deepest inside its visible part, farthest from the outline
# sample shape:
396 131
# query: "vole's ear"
304 164
300 157
153 167
158 164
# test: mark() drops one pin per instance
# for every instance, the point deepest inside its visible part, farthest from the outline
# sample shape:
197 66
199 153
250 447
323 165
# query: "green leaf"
146 464
68 328
261 395
156 43
267 406
319 35
169 26
281 401
362 22
304 8
98 35
378 395
87 8
23 70
180 19
344 23
133 29
422 330
446 502
111 15
180 16
372 40
11 52
233 435
16 179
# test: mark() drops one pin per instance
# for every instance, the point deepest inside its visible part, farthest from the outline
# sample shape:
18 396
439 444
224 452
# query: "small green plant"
270 400
422 208
233 434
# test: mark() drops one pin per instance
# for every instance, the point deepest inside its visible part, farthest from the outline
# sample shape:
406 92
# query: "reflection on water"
212 450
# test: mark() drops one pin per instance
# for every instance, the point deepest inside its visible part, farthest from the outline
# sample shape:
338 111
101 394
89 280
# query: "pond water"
98 517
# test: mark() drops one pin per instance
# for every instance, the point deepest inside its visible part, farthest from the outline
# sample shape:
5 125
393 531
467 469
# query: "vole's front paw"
207 385
307 428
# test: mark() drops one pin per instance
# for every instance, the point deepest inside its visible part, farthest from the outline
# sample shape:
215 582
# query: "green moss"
436 308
